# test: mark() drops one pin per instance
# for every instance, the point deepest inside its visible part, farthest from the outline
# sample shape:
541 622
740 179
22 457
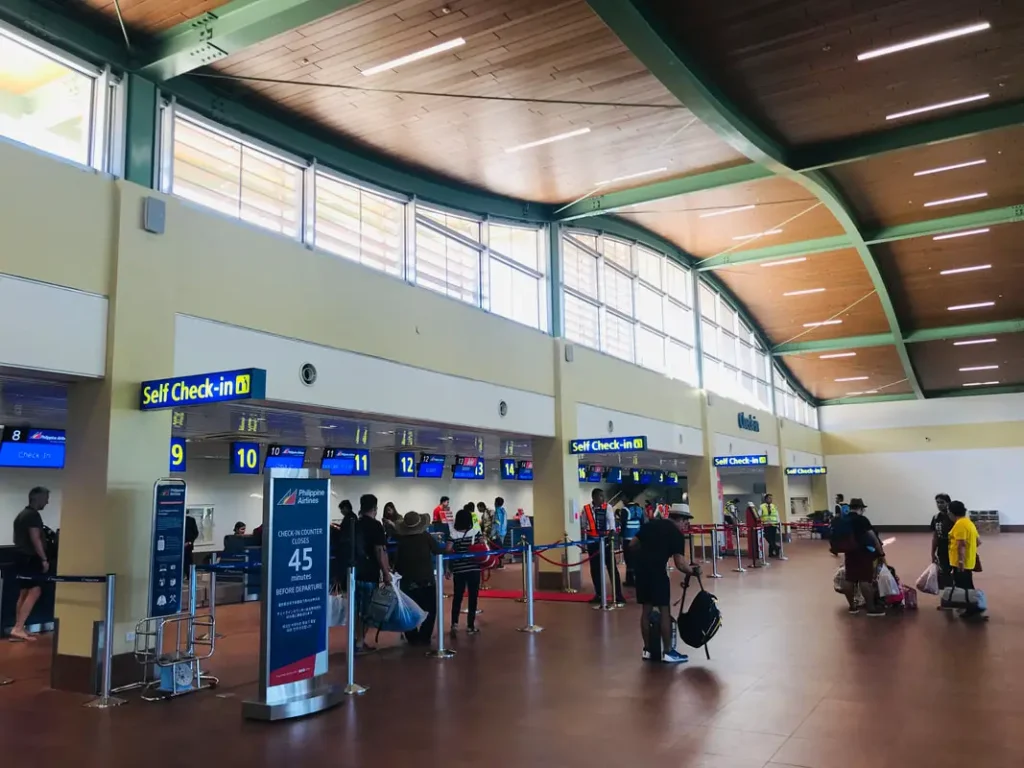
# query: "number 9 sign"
177 454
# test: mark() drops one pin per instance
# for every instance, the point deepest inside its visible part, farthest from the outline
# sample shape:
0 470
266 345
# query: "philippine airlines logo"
289 499
46 437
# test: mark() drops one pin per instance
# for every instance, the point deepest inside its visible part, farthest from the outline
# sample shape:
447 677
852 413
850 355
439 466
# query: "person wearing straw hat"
414 560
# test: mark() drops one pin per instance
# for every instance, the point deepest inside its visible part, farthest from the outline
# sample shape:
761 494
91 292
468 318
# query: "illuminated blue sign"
32 448
177 455
468 468
405 464
608 444
508 469
748 423
285 457
758 460
347 463
431 465
226 386
806 470
524 471
245 459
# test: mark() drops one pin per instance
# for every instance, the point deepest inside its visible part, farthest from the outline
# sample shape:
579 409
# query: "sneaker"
473 631
675 657
454 629
854 610
646 656
876 612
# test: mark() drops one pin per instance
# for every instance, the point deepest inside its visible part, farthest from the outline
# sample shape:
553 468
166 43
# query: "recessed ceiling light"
957 166
395 63
979 305
784 261
837 354
981 383
917 42
959 270
804 292
632 176
758 234
979 368
973 341
853 394
854 378
549 140
966 233
962 198
823 322
727 211
870 391
940 105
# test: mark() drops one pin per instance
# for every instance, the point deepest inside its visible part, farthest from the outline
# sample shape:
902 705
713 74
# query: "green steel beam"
931 227
829 154
870 399
141 130
834 345
661 190
556 326
964 331
644 32
49 21
776 252
1009 389
230 28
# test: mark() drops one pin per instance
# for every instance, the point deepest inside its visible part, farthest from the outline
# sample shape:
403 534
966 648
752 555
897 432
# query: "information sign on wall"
607 444
755 460
806 470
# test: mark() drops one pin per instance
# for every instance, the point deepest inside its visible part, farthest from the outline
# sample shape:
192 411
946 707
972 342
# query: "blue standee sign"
747 422
167 557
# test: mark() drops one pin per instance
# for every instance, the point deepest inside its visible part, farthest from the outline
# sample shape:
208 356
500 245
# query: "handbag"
977 564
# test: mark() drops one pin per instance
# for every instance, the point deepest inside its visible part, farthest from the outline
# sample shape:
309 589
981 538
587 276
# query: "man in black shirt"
371 559
657 541
32 563
941 524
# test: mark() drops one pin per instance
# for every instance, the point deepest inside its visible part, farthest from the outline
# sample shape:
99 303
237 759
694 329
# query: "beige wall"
722 419
797 437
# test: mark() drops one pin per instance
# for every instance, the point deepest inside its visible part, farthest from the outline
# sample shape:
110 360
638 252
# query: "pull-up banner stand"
294 602
167 550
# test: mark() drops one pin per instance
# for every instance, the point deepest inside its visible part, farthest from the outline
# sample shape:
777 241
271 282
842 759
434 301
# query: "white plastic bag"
337 611
887 584
406 615
928 582
839 578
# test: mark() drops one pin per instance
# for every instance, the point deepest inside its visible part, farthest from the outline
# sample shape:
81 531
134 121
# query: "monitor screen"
595 473
671 478
431 465
614 475
346 462
525 470
285 457
468 468
32 448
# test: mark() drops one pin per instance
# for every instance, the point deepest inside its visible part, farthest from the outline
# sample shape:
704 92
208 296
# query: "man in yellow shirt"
963 551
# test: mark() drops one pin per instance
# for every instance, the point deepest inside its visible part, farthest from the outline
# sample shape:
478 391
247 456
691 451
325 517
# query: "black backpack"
701 621
841 536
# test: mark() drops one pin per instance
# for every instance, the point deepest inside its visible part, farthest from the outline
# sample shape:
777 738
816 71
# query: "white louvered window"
360 225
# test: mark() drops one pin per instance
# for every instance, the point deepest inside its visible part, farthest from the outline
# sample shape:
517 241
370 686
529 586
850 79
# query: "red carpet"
551 597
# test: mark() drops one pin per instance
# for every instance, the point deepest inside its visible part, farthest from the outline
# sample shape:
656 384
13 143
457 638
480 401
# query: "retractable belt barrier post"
526 565
440 652
714 553
105 700
782 541
739 553
566 579
603 567
530 627
761 549
213 596
352 688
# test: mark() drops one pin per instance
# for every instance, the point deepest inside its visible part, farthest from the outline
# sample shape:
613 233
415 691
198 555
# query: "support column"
703 482
141 126
777 483
115 454
819 494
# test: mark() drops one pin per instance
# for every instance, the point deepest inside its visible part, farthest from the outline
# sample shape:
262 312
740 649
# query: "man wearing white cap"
656 542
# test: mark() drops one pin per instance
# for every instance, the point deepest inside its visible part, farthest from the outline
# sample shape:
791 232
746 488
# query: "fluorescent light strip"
962 198
917 42
758 234
979 305
854 378
727 211
784 261
823 322
979 368
966 233
960 270
941 105
632 176
804 292
837 354
549 140
853 394
973 341
955 167
981 383
426 52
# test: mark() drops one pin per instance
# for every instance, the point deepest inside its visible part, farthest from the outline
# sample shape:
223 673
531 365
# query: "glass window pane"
207 167
618 290
514 294
618 252
359 225
707 303
581 321
709 338
618 337
447 266
650 350
649 266
745 358
649 309
679 322
517 244
588 240
579 270
271 192
43 103
681 362
727 348
726 318
468 227
677 282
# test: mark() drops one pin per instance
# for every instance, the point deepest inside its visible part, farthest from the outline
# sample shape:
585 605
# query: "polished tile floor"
793 681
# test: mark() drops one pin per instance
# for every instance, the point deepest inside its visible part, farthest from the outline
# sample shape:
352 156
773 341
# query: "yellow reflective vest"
769 514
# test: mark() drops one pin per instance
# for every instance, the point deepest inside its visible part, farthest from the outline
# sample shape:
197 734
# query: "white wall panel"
802 459
354 382
922 413
592 421
53 329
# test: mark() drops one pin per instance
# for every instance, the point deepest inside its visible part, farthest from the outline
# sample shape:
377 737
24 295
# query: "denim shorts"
364 594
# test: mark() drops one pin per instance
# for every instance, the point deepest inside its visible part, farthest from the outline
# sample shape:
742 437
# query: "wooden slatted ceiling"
793 65
880 365
885 191
842 275
912 268
151 15
518 48
938 363
779 204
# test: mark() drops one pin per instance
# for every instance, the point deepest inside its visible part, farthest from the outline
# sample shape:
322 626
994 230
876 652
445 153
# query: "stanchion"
440 652
213 596
192 592
782 541
566 577
522 542
530 627
105 700
761 549
352 688
603 567
739 553
714 554
703 544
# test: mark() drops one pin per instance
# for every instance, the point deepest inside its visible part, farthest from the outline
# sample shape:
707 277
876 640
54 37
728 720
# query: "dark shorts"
29 569
652 586
860 566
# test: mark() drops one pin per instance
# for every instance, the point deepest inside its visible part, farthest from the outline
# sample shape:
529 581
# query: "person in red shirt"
442 512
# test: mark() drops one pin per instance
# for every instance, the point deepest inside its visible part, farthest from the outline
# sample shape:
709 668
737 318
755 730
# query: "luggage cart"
168 648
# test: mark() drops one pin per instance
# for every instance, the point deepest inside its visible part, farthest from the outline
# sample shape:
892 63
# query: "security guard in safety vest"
770 521
599 523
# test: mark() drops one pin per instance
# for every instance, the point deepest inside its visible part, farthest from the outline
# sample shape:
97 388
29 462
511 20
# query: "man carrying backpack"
654 544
